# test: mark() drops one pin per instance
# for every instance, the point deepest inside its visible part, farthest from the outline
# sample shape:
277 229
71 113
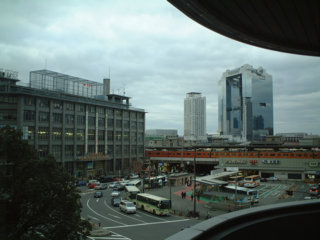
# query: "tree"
39 199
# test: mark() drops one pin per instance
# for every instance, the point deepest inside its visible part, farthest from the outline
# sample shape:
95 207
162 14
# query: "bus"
252 181
134 182
131 192
239 180
244 195
153 204
154 182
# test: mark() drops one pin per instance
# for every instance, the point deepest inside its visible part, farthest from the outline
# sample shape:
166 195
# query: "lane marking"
102 215
146 224
271 191
105 203
114 216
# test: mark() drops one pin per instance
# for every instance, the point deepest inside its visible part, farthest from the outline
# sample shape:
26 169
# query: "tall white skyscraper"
195 117
246 103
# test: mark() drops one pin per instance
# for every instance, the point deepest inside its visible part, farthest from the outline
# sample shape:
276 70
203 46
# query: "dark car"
105 179
81 183
115 201
98 194
119 187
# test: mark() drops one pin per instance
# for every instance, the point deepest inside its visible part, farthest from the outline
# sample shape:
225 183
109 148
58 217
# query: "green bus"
153 204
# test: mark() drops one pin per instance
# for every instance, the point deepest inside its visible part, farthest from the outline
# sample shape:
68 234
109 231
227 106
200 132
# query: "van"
127 207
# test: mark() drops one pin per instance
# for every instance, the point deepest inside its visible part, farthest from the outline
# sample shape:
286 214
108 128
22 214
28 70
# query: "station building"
88 130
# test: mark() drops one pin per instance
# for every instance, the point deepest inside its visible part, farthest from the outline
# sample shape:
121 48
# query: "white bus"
239 180
153 204
243 194
134 182
131 192
252 181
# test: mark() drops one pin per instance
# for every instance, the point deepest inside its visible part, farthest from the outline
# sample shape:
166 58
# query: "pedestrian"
191 196
182 194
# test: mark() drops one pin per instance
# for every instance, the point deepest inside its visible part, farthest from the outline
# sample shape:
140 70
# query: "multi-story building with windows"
195 117
246 103
88 130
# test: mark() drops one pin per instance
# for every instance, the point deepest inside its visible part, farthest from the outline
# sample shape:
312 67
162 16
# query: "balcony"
291 220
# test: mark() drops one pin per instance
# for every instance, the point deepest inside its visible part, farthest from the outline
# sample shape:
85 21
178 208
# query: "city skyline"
153 53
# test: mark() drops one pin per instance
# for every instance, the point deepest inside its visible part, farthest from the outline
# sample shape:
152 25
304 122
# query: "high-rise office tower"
195 117
246 103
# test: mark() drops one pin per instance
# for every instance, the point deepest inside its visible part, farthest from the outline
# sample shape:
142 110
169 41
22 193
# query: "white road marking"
97 200
146 224
114 216
102 215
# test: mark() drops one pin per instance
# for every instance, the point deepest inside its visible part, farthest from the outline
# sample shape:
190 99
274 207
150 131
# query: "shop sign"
271 161
236 161
253 162
313 164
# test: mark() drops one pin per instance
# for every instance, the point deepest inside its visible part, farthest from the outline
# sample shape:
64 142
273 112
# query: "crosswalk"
112 235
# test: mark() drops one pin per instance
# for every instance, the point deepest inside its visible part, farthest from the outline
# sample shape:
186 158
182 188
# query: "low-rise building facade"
88 130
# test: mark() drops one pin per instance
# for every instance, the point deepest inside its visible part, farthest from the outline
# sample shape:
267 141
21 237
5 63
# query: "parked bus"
252 181
131 193
243 194
154 182
153 204
236 179
134 182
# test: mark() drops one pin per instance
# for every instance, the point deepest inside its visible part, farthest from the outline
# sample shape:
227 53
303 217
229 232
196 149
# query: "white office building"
195 117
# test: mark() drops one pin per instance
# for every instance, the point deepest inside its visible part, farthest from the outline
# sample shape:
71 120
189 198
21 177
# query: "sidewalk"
180 206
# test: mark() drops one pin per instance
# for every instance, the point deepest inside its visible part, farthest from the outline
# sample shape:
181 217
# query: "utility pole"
170 189
235 195
194 182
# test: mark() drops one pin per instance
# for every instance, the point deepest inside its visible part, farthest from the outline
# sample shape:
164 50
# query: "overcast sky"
154 52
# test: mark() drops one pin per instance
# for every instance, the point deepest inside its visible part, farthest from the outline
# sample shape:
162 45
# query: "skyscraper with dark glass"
246 103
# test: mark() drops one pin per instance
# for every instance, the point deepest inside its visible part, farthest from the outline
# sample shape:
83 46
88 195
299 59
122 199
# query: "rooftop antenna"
124 89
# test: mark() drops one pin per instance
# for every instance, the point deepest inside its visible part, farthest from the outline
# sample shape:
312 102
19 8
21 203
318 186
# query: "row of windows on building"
71 134
57 118
79 150
58 105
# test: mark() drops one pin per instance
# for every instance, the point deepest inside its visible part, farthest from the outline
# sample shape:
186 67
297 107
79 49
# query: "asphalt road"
141 225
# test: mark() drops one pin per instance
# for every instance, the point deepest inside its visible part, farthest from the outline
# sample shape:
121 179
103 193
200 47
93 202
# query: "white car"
115 194
114 184
101 186
127 207
272 179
